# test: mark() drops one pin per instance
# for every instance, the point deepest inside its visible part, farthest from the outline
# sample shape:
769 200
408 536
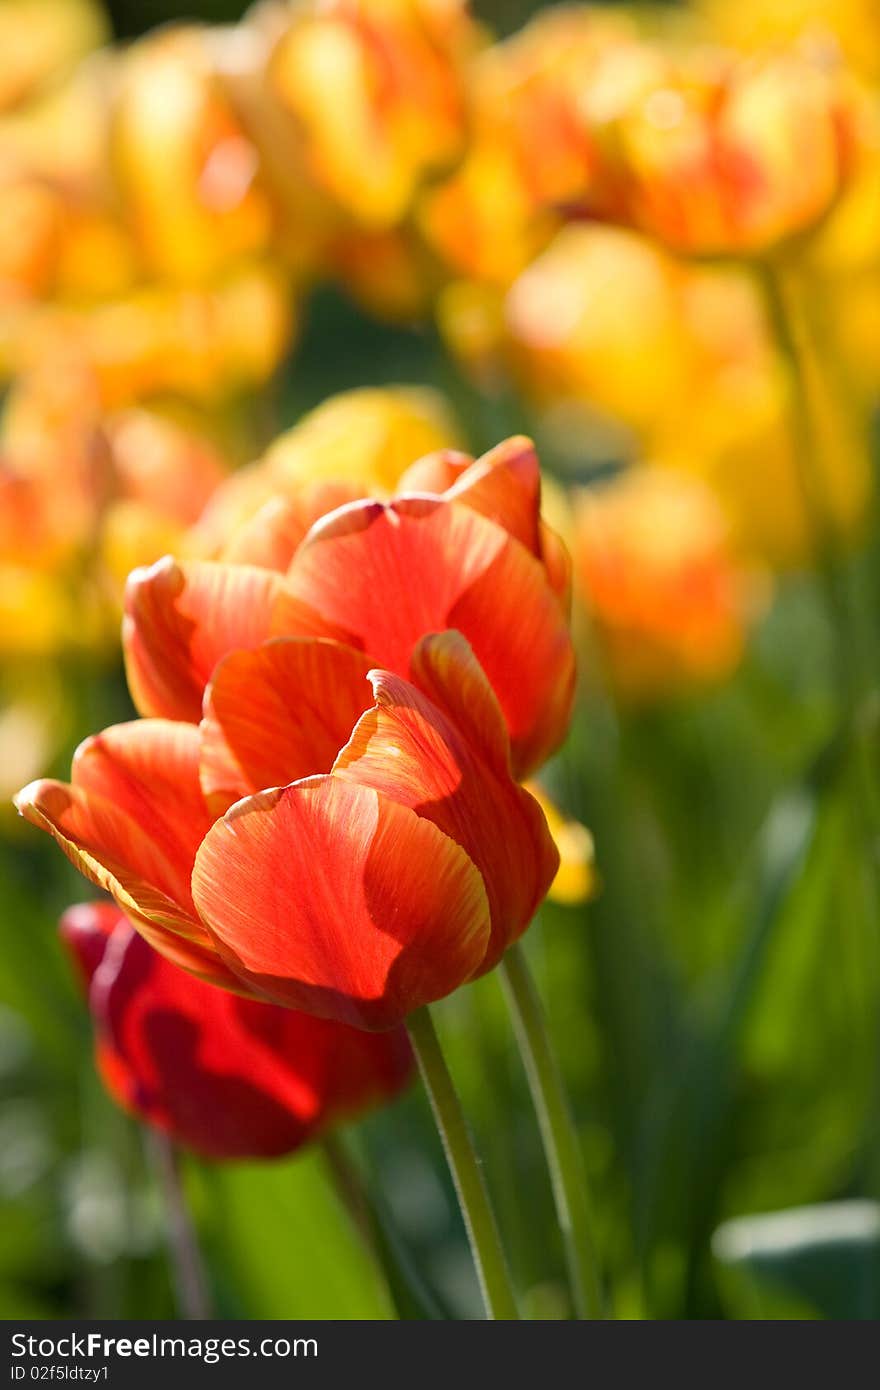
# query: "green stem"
557 1132
190 1280
793 337
412 1299
790 334
479 1219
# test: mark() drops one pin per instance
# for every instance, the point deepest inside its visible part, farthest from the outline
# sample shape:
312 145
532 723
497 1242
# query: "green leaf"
281 1245
825 1258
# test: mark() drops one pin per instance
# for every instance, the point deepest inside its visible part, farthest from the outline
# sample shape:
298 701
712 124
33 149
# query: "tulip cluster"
349 644
166 208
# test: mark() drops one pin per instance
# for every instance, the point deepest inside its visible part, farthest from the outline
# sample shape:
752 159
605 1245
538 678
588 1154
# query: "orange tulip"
530 156
715 154
654 570
368 882
41 40
368 879
464 543
397 108
187 173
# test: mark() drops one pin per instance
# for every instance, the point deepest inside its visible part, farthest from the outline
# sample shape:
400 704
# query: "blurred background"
712 982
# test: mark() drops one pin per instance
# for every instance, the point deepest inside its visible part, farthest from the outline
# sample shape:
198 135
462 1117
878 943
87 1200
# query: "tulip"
529 156
654 569
225 1076
368 881
395 70
848 27
41 40
355 444
718 156
355 872
575 880
598 318
187 172
203 343
462 547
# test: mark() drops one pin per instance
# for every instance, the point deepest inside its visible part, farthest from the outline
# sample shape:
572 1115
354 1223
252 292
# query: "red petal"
411 751
85 929
278 714
230 1077
380 578
180 620
330 898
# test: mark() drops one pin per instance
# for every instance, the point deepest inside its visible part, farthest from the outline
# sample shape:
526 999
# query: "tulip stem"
190 1282
479 1218
790 333
411 1298
791 329
558 1132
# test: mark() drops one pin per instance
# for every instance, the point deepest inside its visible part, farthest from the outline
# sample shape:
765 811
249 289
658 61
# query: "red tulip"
466 551
226 1076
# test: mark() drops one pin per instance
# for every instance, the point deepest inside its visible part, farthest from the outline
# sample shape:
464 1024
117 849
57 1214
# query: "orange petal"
435 472
505 485
149 769
445 669
114 852
557 564
180 620
381 577
330 898
277 714
271 538
411 751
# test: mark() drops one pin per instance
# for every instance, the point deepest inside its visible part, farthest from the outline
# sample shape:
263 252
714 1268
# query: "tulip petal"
380 577
505 486
113 852
436 472
330 898
226 1076
180 620
85 929
149 769
410 750
557 565
270 539
445 669
278 714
